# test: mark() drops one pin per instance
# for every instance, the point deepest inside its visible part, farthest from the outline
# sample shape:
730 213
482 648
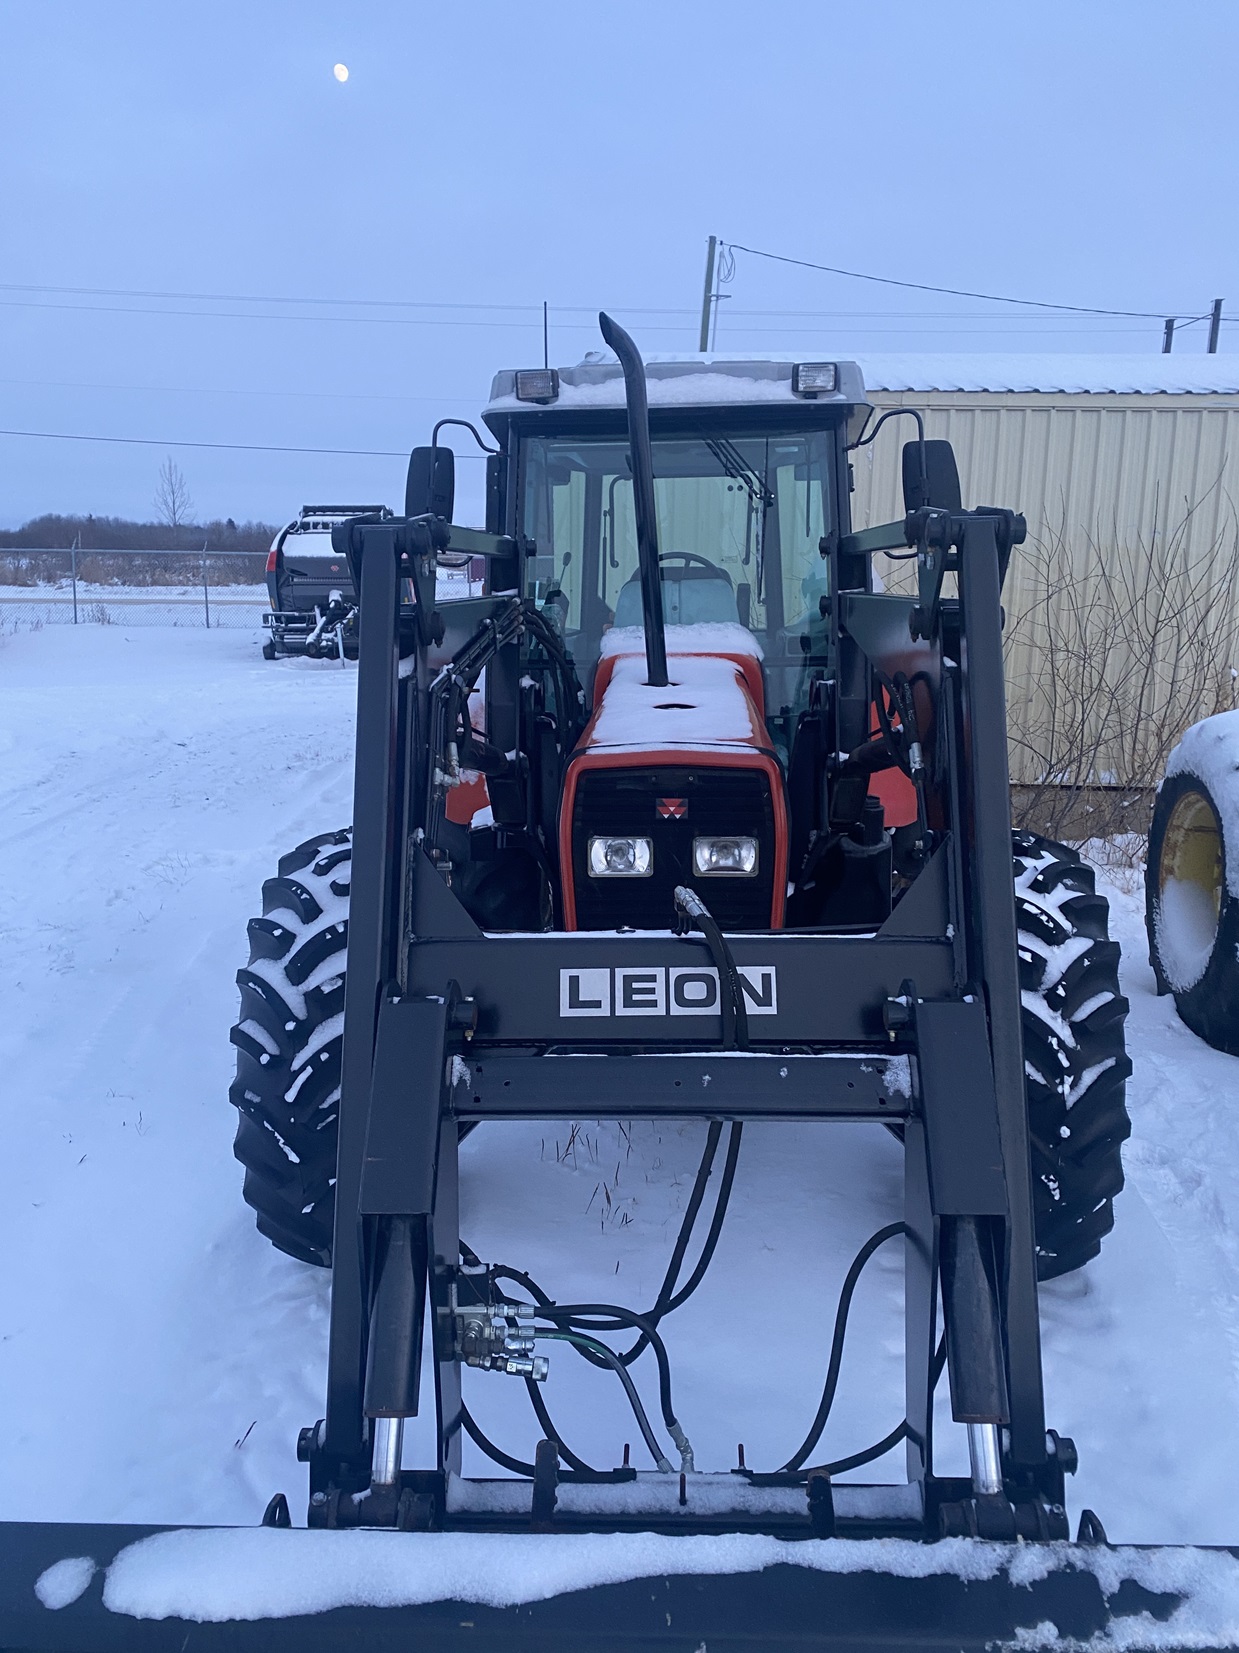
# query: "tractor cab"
681 777
749 469
664 697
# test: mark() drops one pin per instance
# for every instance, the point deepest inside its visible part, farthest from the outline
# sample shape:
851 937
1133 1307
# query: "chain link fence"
132 588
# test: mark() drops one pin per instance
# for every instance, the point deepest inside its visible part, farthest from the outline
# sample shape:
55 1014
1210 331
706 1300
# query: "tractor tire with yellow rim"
1191 915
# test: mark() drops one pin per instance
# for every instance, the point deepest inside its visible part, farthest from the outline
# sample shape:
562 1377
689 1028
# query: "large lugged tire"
290 1034
1075 1058
289 1039
1192 918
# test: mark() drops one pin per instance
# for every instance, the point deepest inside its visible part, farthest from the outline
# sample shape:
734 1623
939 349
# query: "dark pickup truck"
313 601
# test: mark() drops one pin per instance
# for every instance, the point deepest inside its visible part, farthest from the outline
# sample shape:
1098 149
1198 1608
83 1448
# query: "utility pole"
1168 335
711 251
1215 326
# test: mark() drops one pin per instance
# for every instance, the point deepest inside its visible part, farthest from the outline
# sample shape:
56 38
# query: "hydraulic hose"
735 1017
880 1448
609 1317
669 1297
609 1358
836 1344
550 1433
678 1251
712 1234
517 1466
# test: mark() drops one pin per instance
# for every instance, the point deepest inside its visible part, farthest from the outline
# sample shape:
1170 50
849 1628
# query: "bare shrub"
38 568
178 569
173 505
1111 655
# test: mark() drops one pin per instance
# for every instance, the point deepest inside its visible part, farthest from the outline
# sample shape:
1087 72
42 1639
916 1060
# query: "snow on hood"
704 704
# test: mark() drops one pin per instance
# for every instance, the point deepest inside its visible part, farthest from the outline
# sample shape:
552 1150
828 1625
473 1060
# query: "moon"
341 72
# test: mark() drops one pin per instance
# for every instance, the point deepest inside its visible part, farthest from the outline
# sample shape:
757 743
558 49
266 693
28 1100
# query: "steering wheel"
693 560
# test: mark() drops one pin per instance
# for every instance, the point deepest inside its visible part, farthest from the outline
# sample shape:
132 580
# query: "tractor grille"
620 802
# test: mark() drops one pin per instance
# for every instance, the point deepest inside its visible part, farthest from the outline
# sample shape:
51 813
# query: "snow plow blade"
104 1589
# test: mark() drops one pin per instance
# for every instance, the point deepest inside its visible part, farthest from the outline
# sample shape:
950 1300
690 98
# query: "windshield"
740 521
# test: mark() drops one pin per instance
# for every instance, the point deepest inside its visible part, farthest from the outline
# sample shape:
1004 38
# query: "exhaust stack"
642 498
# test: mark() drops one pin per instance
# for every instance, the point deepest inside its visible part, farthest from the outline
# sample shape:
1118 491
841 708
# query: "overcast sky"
482 157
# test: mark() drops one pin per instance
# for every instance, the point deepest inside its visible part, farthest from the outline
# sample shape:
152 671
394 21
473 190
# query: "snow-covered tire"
289 1039
1075 1058
1191 916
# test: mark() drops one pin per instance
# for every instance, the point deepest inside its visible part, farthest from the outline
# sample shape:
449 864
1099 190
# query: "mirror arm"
898 413
465 425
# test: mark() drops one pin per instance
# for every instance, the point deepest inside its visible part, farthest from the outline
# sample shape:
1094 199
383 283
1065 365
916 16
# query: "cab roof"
597 383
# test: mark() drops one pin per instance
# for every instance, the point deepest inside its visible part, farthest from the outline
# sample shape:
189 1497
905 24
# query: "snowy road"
157 1358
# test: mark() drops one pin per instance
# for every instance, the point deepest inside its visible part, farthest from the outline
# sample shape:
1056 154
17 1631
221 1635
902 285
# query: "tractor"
681 785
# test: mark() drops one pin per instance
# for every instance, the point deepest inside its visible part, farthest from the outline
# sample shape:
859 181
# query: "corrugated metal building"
1124 605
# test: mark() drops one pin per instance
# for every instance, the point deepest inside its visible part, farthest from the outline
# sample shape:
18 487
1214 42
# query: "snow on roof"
1094 375
679 381
597 382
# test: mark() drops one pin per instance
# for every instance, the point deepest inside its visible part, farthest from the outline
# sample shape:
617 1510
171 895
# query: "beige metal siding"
1095 464
1108 484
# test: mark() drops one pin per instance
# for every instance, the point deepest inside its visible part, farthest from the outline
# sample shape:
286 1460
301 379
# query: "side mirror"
940 485
431 486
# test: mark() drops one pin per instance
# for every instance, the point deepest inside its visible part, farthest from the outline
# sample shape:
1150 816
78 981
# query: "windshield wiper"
737 467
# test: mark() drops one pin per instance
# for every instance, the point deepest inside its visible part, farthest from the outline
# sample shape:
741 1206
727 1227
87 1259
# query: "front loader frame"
916 1025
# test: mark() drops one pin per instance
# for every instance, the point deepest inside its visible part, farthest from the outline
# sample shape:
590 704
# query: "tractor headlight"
621 857
725 857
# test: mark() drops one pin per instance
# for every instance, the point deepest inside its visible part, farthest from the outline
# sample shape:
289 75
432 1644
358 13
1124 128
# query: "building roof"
1150 374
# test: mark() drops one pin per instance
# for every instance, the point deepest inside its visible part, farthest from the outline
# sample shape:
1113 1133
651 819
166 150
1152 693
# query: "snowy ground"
157 1358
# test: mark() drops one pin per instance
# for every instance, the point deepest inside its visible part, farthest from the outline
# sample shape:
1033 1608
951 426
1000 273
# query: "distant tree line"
57 533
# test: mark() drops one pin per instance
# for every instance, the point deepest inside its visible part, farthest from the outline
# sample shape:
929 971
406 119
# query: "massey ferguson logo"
658 991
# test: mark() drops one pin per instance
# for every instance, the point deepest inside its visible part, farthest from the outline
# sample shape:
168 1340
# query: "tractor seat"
691 597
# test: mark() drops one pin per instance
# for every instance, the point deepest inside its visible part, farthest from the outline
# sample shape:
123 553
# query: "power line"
562 314
228 447
367 303
419 321
533 312
253 315
953 292
535 318
234 390
901 315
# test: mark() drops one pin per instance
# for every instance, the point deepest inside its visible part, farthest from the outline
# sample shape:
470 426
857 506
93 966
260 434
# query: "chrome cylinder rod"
985 1454
388 1446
